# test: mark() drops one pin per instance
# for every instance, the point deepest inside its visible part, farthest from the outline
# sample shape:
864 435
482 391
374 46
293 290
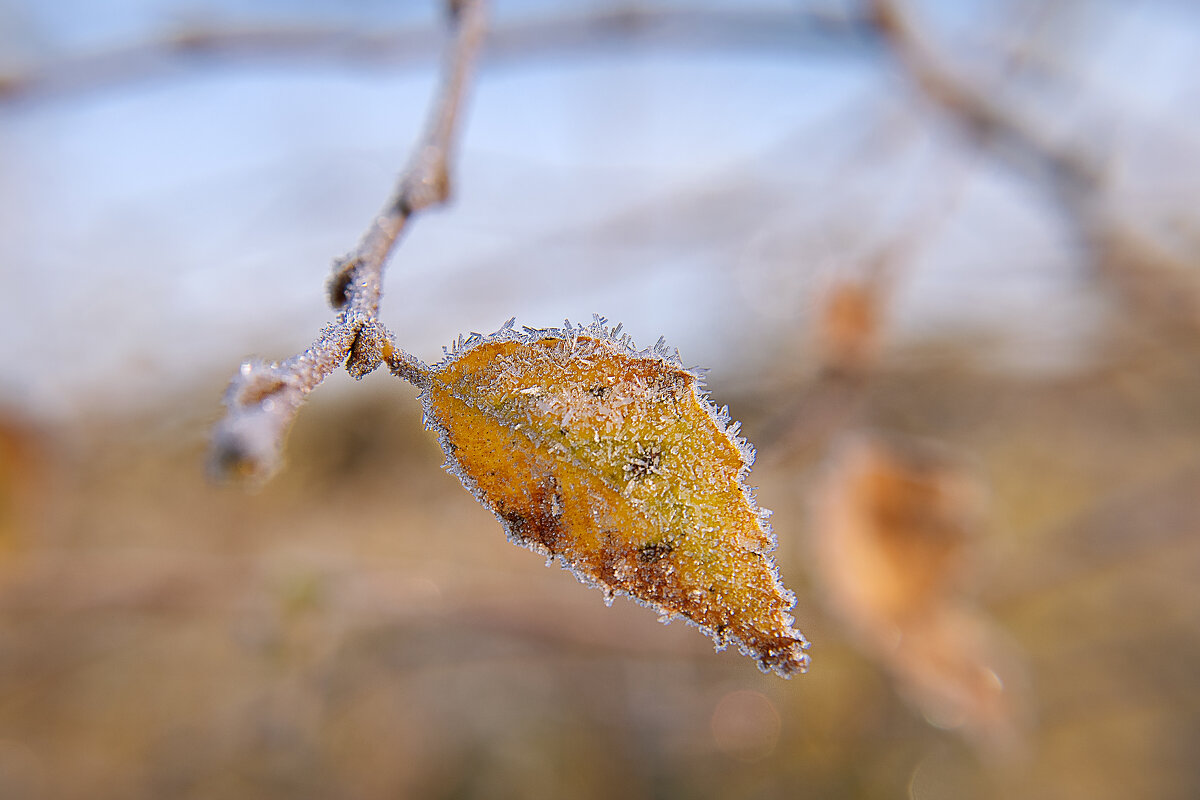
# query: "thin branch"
1124 257
1072 175
262 399
173 54
426 182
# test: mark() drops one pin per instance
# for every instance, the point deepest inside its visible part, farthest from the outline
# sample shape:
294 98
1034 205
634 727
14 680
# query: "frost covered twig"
263 398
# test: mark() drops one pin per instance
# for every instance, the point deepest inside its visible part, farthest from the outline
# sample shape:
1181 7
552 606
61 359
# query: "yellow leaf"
614 461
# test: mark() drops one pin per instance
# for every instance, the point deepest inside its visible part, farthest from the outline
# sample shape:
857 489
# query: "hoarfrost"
637 463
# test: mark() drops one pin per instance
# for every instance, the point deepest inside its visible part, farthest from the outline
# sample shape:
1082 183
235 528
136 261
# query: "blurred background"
941 259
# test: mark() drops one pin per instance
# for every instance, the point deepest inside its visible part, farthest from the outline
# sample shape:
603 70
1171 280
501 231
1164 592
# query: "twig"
788 31
262 399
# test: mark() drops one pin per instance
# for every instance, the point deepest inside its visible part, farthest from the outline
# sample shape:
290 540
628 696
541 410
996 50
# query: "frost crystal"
613 460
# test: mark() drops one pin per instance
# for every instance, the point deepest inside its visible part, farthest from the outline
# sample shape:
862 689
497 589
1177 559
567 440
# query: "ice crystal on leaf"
614 461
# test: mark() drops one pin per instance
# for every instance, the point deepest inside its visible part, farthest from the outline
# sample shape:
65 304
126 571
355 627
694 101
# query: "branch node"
247 446
427 183
255 382
370 345
337 287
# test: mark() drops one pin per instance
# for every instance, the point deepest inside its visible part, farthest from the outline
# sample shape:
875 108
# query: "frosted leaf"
893 524
614 461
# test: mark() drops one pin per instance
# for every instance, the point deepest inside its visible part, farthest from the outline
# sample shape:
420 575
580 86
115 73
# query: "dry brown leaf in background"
892 531
962 673
848 327
613 460
22 484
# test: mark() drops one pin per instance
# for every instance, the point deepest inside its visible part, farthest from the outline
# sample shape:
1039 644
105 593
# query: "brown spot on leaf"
648 461
655 551
673 384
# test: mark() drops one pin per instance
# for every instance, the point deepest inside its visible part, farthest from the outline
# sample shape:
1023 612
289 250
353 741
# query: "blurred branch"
166 56
262 400
1125 257
989 123
559 35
